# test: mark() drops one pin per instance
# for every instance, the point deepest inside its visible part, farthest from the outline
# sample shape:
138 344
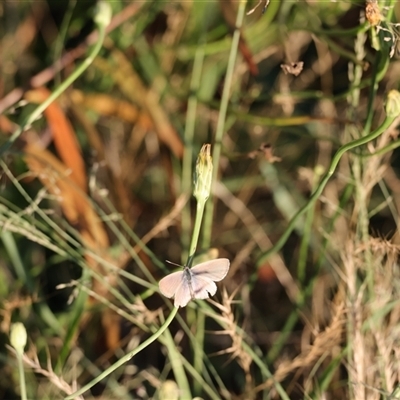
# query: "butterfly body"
197 282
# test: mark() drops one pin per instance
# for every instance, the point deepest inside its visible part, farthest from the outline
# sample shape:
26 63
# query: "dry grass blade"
236 350
49 373
325 344
373 326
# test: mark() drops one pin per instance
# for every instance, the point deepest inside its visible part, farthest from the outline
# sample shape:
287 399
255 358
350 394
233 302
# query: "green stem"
390 147
306 237
285 332
22 383
334 163
188 139
175 358
198 363
57 92
221 119
58 48
198 378
11 248
73 325
265 371
196 230
379 71
127 356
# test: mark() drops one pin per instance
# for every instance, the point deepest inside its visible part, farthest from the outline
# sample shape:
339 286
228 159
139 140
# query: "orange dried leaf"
106 105
63 136
6 126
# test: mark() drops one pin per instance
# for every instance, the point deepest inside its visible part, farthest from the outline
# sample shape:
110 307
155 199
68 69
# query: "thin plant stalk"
58 48
202 190
22 383
265 371
198 352
188 140
222 117
196 229
126 357
198 377
175 358
306 237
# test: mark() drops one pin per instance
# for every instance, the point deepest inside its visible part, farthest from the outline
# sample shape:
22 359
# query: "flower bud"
169 391
203 174
18 337
102 13
392 106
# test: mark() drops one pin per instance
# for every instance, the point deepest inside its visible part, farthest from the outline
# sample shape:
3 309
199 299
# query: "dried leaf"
63 136
373 13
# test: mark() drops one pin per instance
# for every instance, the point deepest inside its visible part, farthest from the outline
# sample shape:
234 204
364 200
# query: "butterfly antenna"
170 262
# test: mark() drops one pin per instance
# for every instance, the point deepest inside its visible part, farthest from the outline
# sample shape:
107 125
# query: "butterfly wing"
176 284
184 293
203 287
171 283
214 270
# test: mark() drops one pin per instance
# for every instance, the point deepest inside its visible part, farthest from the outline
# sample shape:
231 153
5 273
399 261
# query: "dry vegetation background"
96 195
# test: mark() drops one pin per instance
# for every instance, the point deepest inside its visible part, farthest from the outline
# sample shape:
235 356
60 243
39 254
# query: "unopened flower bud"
102 13
203 175
169 391
18 337
392 106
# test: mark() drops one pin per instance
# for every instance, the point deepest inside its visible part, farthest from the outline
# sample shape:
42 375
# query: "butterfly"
197 282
